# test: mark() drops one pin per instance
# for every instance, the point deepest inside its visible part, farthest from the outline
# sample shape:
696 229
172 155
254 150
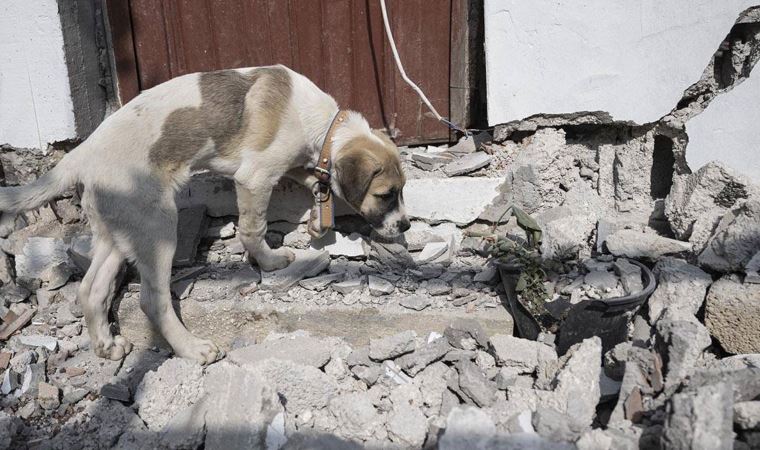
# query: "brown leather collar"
322 218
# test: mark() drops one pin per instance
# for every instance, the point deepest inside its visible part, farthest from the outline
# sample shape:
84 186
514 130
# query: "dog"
255 125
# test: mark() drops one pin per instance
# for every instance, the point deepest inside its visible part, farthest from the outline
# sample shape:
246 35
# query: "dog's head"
370 178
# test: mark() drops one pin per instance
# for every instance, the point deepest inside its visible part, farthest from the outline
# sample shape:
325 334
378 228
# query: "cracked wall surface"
654 64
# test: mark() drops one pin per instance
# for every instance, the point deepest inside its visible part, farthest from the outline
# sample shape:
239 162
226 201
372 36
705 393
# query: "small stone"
379 286
38 340
28 410
11 382
415 302
467 164
72 372
348 286
392 346
308 263
227 231
464 300
116 391
74 396
48 396
321 282
438 287
431 251
10 293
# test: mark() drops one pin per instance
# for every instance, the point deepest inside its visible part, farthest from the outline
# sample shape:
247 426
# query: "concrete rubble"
365 342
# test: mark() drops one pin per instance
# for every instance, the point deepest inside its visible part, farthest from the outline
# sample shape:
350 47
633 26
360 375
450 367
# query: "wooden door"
339 44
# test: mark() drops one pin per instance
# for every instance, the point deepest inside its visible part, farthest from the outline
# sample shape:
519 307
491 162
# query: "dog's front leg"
254 189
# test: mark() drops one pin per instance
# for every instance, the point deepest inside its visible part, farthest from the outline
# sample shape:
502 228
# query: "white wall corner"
35 98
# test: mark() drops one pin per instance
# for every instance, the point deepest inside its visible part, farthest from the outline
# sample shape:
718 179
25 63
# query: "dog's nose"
403 225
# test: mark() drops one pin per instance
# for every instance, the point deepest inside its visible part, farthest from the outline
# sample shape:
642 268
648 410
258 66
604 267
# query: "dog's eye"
385 196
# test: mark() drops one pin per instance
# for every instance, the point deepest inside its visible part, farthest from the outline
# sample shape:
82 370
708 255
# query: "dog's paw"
279 259
201 350
115 348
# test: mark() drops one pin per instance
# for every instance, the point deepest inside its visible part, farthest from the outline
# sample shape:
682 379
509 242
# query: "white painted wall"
631 58
35 98
729 130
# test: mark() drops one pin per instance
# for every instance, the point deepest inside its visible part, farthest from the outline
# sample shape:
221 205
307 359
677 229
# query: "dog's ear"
355 170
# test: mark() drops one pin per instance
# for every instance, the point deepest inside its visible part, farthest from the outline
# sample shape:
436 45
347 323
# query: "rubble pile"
406 343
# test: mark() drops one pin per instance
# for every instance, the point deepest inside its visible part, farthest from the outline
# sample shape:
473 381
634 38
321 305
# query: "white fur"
130 202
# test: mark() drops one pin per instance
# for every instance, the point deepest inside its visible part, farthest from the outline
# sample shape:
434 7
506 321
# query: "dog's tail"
14 199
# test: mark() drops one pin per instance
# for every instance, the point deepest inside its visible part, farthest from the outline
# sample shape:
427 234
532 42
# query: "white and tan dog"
255 125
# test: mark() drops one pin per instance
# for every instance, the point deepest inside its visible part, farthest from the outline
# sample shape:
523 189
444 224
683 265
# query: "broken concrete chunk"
174 386
414 363
431 251
747 415
11 293
735 240
407 426
415 302
305 350
379 286
308 263
474 384
40 254
301 387
467 427
681 288
390 347
348 286
635 244
577 382
467 164
459 200
39 340
556 426
601 280
732 314
238 406
322 282
702 418
338 244
48 396
681 342
630 276
466 334
357 415
523 355
697 201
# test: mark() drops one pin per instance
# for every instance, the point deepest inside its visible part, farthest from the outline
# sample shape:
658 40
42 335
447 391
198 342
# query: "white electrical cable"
408 81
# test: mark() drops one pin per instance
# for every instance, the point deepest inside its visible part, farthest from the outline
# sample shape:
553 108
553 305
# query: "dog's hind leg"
95 294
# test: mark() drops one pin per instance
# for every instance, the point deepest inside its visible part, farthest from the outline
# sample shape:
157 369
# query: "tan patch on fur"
365 167
230 100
